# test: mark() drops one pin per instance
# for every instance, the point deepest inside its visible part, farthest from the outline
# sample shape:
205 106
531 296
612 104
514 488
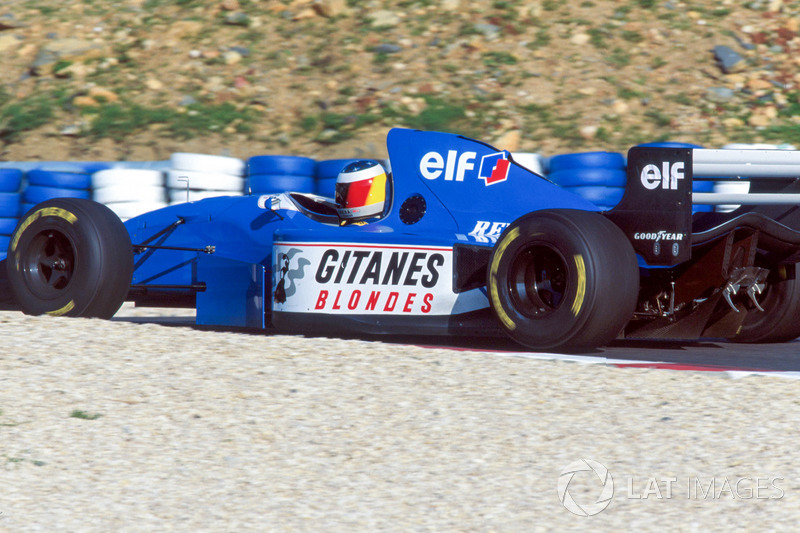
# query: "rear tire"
70 257
780 320
563 280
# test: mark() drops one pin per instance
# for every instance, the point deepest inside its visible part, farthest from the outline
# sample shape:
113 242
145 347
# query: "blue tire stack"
46 183
10 205
272 174
599 177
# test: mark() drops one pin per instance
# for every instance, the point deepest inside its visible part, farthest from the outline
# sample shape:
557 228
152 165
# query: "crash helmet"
361 190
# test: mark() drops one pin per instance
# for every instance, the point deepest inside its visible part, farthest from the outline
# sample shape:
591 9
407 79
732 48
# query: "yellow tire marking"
501 248
36 215
58 212
64 310
581 293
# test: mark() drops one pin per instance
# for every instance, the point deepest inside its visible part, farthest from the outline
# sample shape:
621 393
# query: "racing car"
470 243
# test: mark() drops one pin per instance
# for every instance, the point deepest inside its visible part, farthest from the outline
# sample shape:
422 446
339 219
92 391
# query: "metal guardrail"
733 165
746 163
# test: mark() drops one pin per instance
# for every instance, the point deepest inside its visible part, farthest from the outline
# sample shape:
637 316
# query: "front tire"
563 280
70 257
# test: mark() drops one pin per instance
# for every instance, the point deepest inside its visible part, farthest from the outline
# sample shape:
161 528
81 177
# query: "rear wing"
752 164
656 209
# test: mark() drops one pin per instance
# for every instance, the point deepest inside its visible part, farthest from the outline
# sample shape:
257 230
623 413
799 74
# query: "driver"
360 192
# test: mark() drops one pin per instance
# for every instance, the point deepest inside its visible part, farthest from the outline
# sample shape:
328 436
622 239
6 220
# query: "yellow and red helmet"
361 190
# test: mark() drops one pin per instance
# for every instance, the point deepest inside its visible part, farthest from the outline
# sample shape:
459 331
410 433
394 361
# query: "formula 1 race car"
470 243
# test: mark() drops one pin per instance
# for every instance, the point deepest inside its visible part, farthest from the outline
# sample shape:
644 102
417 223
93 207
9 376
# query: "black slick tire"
563 280
70 257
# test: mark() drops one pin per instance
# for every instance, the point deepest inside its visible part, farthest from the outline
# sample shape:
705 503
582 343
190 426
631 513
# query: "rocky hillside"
138 79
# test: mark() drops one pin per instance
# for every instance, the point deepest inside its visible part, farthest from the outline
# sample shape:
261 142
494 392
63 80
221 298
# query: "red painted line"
690 367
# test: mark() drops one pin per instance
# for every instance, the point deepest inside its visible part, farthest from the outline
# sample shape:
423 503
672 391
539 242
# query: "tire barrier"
276 183
201 173
10 209
179 196
286 165
201 181
271 174
73 167
35 194
7 225
608 160
330 168
325 187
603 197
730 187
10 179
125 176
669 144
533 162
599 177
589 176
210 164
10 204
130 192
55 180
4 241
59 180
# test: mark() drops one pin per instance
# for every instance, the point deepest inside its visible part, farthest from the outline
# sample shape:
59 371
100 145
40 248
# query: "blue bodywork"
471 191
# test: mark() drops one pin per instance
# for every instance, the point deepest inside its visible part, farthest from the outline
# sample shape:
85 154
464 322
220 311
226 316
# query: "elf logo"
493 169
666 177
433 165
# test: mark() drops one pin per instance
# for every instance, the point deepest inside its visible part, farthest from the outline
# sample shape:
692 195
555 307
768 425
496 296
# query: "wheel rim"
538 281
48 264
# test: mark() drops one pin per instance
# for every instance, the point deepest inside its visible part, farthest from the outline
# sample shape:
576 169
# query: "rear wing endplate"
656 209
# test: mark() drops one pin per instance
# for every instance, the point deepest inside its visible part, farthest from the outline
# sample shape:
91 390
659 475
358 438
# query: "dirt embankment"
139 79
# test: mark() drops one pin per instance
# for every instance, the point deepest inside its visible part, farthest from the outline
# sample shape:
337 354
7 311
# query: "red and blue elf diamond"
494 168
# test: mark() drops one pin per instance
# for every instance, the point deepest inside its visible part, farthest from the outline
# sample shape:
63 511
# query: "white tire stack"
129 192
198 176
531 161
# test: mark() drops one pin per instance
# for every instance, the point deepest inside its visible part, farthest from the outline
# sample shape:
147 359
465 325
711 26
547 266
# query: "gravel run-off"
127 426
